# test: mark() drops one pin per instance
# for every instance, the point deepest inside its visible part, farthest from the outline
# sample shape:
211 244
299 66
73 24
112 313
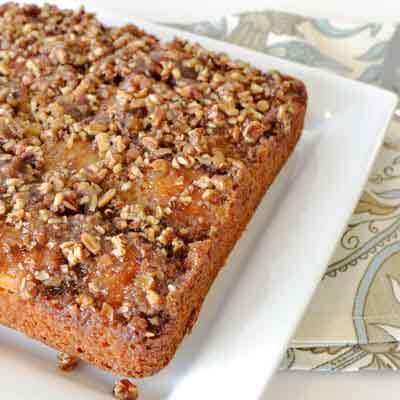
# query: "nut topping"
253 131
119 155
91 242
106 198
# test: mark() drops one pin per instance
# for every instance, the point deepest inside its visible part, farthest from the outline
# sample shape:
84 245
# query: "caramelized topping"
118 152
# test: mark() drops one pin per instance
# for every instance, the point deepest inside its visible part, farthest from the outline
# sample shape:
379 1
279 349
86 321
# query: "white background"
290 385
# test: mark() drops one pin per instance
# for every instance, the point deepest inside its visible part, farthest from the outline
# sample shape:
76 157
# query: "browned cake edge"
110 347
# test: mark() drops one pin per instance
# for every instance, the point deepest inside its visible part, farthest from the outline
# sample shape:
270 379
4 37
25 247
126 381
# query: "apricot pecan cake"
129 168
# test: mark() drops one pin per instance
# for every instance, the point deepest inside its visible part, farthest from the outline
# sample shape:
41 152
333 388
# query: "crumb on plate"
125 390
67 362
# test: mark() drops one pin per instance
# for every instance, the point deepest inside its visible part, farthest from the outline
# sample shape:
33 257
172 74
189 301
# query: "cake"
129 169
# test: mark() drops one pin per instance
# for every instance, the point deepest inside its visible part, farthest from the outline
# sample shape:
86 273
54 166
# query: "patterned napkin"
353 321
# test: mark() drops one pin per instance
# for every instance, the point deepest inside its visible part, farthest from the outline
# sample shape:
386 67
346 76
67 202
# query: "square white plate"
259 297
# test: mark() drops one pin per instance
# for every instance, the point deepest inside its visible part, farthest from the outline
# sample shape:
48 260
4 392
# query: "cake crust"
129 169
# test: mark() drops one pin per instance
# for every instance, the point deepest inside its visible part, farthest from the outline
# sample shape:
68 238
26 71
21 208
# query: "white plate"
259 297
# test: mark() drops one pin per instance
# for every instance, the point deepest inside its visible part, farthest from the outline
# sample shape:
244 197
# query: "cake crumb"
125 390
67 362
